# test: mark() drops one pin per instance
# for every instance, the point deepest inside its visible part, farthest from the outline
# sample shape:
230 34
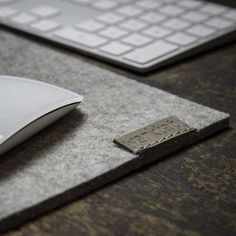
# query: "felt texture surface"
77 153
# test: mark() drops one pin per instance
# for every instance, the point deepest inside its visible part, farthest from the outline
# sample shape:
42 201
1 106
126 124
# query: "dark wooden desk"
193 192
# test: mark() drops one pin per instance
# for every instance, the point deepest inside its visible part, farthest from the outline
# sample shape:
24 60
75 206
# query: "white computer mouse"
27 106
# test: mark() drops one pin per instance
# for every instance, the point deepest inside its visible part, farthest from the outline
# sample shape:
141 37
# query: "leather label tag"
154 134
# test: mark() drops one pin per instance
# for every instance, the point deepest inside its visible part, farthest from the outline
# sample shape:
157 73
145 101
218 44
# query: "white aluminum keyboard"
138 34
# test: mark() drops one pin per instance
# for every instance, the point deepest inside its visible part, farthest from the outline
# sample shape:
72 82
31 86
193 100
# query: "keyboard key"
105 5
137 40
190 3
153 17
125 1
133 25
171 10
23 18
181 39
176 24
150 52
230 15
7 11
80 37
130 10
5 1
110 18
84 2
195 16
201 31
90 26
45 11
113 32
213 9
45 25
116 48
219 23
148 4
157 31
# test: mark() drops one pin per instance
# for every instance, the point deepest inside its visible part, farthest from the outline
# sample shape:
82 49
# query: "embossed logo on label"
154 134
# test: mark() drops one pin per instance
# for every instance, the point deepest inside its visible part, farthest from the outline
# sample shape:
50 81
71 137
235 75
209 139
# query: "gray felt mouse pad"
76 154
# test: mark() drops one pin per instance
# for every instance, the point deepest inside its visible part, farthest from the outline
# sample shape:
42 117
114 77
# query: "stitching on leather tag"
154 134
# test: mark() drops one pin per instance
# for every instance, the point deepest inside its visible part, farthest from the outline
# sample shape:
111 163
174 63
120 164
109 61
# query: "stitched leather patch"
152 135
